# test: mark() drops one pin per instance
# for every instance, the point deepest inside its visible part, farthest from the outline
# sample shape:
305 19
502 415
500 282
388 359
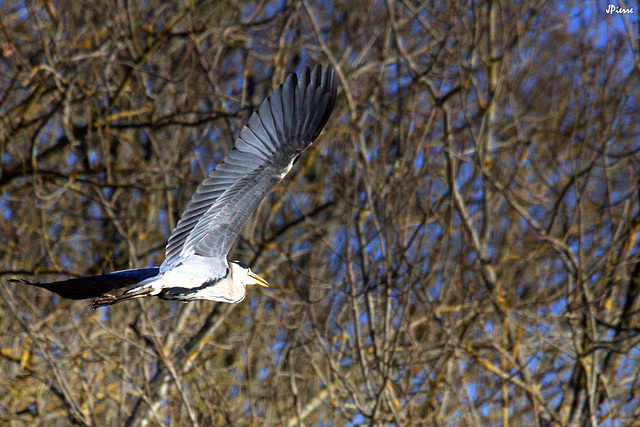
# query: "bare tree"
460 246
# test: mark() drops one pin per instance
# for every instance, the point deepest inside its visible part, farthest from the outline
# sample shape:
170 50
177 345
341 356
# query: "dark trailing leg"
108 299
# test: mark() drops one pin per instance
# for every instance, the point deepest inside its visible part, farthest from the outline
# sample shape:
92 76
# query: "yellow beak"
258 280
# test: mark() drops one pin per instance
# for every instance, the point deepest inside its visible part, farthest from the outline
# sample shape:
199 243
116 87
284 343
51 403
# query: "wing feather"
284 125
95 286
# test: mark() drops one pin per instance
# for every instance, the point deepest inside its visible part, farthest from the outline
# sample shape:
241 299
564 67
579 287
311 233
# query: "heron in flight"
195 265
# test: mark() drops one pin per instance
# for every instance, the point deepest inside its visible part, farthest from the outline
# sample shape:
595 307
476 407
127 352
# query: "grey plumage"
195 266
265 150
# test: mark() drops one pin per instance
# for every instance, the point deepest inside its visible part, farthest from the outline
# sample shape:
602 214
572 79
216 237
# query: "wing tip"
324 88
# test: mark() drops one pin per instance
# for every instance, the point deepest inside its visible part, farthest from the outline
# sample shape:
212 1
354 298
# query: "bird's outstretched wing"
285 124
94 286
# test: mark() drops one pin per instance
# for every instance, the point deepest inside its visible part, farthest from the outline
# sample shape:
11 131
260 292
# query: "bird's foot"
104 300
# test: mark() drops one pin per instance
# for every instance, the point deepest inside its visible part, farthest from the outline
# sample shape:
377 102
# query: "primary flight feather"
195 265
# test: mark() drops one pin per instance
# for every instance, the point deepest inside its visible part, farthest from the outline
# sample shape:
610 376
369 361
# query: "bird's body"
196 280
196 266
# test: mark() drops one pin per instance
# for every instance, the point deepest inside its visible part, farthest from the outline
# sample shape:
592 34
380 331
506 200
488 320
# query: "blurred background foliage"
460 246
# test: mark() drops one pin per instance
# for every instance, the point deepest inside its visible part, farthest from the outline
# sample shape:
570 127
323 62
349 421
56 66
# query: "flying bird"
195 265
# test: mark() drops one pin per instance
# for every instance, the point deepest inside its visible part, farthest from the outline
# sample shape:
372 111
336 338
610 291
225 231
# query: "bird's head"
240 272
